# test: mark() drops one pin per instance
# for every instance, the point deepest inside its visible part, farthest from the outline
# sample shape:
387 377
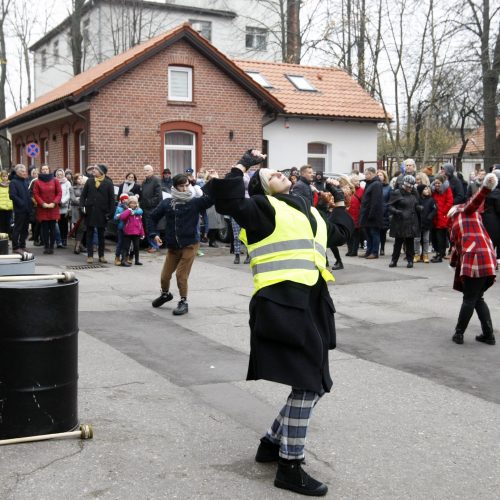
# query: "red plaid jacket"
473 255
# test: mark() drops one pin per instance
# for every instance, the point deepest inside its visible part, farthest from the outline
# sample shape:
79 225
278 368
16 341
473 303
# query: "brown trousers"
178 261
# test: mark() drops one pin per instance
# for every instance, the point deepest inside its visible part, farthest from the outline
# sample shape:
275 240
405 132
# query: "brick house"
174 101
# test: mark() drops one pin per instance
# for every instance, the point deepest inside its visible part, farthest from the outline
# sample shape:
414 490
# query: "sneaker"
337 266
182 308
164 297
199 253
103 260
267 451
236 259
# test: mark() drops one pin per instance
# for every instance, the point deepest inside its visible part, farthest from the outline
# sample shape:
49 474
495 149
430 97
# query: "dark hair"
131 173
180 179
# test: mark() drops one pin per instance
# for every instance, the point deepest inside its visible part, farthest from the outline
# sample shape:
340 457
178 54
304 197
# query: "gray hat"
449 169
408 180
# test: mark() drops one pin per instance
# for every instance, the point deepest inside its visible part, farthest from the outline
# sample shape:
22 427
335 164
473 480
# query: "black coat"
135 191
303 188
429 211
372 204
99 203
151 193
404 207
491 215
20 194
292 325
457 188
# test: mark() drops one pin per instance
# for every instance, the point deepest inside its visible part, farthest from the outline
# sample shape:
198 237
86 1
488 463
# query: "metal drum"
38 356
4 243
15 264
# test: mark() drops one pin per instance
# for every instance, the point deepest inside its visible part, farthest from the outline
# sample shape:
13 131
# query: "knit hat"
133 199
102 168
123 197
408 181
449 169
256 186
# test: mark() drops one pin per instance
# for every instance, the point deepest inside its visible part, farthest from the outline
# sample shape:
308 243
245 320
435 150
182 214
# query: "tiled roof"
93 78
475 145
337 95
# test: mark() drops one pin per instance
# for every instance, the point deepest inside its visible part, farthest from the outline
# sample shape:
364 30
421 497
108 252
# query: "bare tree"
77 45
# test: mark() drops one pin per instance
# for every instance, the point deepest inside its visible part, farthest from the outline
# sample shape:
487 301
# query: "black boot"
291 476
410 264
236 258
393 263
267 451
337 266
247 260
487 336
458 338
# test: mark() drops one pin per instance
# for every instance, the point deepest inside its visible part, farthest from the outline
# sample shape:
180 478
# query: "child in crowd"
133 230
120 208
429 210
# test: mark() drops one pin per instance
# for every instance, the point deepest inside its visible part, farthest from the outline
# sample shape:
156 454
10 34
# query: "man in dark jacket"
20 195
150 199
98 203
456 185
182 234
166 180
407 168
291 311
303 185
371 215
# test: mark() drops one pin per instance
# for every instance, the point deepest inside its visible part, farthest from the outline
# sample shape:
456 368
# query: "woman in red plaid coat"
474 260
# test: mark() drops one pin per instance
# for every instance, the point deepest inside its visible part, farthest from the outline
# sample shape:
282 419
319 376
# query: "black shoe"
393 263
124 263
60 245
337 266
267 451
213 244
46 250
138 263
50 251
291 476
410 264
436 258
164 297
487 339
458 338
182 308
247 260
381 253
236 259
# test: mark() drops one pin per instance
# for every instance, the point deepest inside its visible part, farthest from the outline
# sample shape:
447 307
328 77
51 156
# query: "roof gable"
475 141
85 84
335 94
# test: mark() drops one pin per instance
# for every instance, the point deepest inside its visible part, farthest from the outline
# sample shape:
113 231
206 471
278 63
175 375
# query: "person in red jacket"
474 260
47 193
354 210
443 197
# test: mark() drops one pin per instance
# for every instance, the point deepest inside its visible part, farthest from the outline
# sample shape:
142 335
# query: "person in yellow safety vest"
291 311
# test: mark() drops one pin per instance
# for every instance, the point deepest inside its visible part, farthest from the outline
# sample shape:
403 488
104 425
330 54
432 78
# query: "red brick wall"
138 100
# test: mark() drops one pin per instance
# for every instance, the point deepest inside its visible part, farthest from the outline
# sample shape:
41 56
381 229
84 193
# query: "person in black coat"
303 185
291 312
130 186
429 210
457 188
20 195
404 207
371 215
151 198
491 215
98 203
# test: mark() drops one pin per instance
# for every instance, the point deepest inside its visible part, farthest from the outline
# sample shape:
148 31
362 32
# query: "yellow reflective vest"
291 252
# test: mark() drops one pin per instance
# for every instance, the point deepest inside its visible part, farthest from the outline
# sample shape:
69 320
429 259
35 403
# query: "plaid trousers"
289 429
236 237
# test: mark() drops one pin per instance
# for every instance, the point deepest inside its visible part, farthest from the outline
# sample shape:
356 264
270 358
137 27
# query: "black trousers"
48 228
409 249
440 241
353 243
474 289
5 220
127 240
63 227
100 241
20 231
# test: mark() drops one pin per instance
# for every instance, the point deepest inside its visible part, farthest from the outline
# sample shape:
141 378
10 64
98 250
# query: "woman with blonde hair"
422 178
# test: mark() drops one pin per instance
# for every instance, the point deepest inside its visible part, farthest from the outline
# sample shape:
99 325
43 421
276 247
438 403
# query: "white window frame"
301 83
259 78
45 151
181 147
325 156
204 28
257 38
189 72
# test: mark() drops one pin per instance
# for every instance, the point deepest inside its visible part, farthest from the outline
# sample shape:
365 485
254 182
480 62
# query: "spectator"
47 192
407 168
166 180
63 206
319 181
475 183
77 216
6 205
133 230
303 186
182 214
404 206
474 261
426 217
35 224
354 209
371 214
150 199
386 195
20 195
130 186
491 215
443 197
421 178
429 172
98 203
456 185
120 208
293 179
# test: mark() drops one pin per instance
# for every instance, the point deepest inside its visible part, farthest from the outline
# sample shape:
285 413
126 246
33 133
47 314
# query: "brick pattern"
138 100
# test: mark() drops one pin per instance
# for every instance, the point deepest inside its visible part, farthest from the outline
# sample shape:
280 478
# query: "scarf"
45 177
127 187
180 196
98 180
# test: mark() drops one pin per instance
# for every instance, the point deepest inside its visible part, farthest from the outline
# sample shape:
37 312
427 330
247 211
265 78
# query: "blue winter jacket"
20 194
182 220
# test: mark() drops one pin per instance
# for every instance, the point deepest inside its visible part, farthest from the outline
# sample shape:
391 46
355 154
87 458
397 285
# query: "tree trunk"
293 42
76 36
361 45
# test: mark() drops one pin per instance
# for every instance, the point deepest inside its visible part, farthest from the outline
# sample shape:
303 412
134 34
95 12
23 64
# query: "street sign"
33 150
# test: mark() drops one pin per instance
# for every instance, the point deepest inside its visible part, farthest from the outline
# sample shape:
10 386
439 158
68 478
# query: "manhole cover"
85 266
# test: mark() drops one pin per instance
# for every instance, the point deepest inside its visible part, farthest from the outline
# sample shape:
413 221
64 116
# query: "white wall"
350 142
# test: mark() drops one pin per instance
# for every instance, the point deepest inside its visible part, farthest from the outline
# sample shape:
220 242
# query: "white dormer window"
300 83
259 78
180 83
204 28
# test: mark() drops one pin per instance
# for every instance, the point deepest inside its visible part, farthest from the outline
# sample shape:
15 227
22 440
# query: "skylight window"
259 79
300 83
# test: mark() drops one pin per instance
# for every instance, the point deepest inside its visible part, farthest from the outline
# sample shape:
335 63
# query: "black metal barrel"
38 357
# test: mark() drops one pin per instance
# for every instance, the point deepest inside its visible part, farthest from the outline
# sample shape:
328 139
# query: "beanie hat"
408 180
123 197
449 169
133 199
255 184
102 168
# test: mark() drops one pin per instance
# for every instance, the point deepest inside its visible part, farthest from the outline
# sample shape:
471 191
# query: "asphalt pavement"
411 414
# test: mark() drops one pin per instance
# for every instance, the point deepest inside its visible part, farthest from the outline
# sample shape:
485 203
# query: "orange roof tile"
338 95
99 75
475 145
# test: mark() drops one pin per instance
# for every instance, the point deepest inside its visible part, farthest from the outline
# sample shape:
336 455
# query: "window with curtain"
317 156
180 151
